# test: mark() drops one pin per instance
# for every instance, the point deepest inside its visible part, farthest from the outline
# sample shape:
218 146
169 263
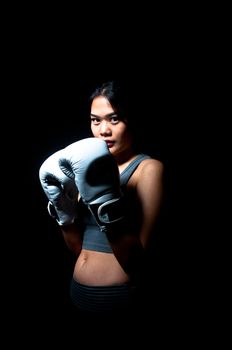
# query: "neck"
125 156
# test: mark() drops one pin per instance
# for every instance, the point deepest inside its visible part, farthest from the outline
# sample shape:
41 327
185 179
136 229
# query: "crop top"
93 237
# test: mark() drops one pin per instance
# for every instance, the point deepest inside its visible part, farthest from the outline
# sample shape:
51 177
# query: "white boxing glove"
95 171
60 190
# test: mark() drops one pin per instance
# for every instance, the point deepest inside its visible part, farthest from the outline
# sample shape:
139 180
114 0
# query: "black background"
48 78
41 268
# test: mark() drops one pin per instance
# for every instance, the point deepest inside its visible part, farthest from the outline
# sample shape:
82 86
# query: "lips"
109 143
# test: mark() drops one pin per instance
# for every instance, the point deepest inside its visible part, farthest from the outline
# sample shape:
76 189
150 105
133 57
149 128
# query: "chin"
112 151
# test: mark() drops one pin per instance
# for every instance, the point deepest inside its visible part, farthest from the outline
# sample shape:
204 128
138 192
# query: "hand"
60 190
96 175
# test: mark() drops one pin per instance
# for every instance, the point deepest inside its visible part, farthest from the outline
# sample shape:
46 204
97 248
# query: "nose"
105 128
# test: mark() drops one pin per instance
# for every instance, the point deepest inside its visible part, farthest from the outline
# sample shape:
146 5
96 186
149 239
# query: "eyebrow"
107 115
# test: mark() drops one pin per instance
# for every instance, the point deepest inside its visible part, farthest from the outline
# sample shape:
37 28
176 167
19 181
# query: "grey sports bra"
94 238
126 174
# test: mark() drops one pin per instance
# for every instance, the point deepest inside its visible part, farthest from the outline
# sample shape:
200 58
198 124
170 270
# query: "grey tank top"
94 238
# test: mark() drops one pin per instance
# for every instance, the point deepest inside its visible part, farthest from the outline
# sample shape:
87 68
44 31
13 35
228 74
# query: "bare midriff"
98 269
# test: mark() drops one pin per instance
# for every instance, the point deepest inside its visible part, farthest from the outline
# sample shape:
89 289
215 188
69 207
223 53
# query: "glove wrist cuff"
53 213
108 212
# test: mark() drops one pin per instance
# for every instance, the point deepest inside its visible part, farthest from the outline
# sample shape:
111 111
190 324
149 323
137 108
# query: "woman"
108 270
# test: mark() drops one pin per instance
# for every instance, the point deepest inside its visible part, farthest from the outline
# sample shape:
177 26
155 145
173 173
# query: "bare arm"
73 237
149 187
148 183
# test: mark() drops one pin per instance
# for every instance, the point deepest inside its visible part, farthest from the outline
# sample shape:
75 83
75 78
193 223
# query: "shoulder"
149 170
150 167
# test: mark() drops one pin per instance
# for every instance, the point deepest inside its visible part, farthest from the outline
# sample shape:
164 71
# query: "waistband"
101 298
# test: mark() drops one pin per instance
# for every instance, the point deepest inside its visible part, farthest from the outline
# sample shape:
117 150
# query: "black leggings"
101 299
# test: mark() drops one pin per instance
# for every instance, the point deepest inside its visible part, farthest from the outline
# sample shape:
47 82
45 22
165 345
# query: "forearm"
73 237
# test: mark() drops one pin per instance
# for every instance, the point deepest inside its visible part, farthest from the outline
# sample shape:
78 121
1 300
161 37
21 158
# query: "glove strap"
53 213
109 212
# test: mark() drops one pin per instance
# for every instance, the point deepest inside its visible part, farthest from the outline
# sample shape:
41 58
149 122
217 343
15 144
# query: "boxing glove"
95 171
60 190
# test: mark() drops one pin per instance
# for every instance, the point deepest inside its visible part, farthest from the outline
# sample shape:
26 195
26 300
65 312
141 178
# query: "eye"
114 119
95 121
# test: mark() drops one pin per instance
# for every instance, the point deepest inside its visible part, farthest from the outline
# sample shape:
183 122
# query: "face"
106 125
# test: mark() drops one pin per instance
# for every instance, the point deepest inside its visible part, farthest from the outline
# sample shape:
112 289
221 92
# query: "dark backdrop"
48 66
59 118
53 113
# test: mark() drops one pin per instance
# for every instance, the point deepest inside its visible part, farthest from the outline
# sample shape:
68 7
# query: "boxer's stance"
106 197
